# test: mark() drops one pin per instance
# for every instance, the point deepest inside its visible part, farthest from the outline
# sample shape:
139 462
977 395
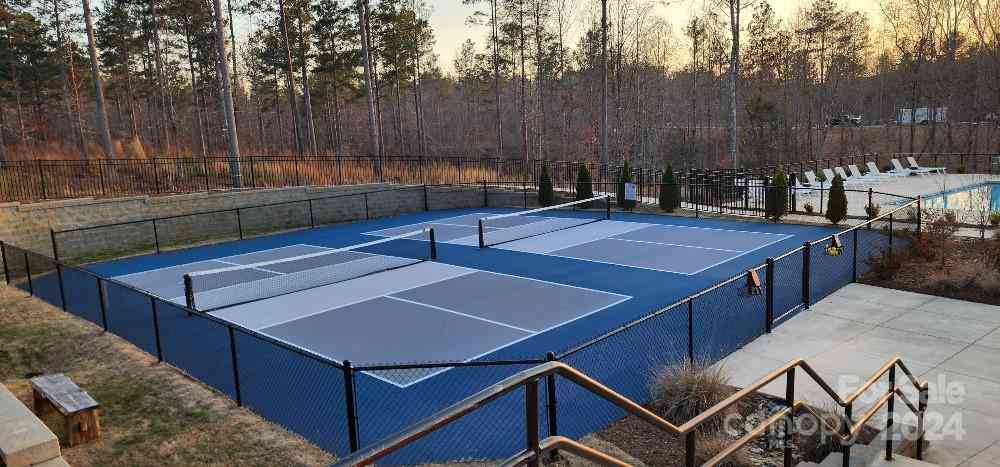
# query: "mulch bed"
963 272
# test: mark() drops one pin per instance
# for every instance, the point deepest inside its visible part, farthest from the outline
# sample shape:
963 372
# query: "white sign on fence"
630 194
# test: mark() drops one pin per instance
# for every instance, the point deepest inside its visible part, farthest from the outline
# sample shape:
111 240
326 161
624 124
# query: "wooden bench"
79 410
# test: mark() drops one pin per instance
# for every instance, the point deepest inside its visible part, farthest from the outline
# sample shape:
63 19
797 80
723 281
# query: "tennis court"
426 323
439 312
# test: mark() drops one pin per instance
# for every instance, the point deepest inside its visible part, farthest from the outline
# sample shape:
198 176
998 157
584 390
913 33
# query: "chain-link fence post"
769 297
351 404
806 262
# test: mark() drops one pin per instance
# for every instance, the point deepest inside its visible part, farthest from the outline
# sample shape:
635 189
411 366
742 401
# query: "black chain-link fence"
341 407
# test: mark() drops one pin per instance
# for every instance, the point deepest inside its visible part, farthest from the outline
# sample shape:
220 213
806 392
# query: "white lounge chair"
812 180
873 170
915 166
802 189
899 169
856 173
850 181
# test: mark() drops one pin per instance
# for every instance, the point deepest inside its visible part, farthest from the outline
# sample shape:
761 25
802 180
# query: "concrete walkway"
953 344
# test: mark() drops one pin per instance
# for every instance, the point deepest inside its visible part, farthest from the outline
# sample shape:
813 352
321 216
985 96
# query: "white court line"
673 244
219 259
783 238
722 230
459 313
365 299
242 284
517 341
465 272
251 267
617 264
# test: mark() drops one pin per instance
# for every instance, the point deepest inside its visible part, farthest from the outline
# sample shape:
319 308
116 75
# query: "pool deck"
846 337
916 185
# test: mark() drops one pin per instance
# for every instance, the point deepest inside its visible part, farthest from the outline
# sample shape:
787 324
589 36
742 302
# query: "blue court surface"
514 300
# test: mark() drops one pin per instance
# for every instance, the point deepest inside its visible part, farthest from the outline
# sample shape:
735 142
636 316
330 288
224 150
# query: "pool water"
969 198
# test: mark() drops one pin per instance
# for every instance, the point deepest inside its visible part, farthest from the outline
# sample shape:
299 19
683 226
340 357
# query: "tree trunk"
373 124
228 110
310 127
734 73
199 130
102 113
496 78
604 82
289 78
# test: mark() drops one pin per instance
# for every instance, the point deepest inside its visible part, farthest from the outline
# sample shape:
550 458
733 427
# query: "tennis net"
504 228
236 285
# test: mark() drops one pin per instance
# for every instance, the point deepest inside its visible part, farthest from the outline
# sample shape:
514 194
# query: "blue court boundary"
340 407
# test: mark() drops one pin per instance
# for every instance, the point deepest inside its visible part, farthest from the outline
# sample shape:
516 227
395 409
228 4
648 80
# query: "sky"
448 18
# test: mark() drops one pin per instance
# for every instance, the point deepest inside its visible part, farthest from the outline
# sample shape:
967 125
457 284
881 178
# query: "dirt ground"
152 414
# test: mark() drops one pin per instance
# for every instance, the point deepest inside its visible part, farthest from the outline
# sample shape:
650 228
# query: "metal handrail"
530 378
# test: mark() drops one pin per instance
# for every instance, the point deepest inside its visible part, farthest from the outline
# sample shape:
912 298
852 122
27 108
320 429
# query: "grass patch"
152 414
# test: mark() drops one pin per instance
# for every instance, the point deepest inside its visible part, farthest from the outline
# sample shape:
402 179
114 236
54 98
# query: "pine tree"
584 185
625 177
836 207
776 203
546 196
670 191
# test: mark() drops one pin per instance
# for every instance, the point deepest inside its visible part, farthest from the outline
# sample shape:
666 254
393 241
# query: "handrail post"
789 421
769 296
922 407
806 260
689 448
531 420
888 417
846 446
550 387
352 407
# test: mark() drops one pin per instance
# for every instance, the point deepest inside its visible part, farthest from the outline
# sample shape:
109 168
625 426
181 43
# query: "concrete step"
904 444
24 439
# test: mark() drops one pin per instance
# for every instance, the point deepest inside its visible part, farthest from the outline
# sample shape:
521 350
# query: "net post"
3 254
806 257
188 292
433 241
236 366
156 329
769 297
427 206
607 207
102 297
352 406
482 237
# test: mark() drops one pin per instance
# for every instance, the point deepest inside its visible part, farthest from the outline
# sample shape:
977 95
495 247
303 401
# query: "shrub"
885 266
584 185
995 219
546 195
670 191
809 208
836 207
776 202
708 446
873 210
625 177
684 391
937 236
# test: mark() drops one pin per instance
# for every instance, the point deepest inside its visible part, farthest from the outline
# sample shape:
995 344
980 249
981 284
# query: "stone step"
24 439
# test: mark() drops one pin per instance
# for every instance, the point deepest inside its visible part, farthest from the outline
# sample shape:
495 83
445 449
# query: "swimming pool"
967 198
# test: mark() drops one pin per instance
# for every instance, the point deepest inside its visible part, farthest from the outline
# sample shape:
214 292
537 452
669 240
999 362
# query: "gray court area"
425 312
666 248
679 249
